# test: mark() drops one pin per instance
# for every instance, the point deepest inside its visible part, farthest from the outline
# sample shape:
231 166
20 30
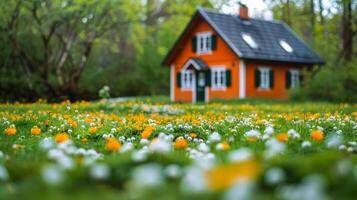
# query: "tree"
66 32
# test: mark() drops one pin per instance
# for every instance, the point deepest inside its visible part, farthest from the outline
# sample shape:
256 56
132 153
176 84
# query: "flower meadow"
142 149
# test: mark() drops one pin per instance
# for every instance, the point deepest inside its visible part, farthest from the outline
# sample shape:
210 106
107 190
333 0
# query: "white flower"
203 147
99 171
342 147
240 155
241 190
160 146
148 175
144 141
194 180
173 171
306 144
273 147
333 141
4 175
52 174
47 143
139 155
126 147
214 137
66 162
252 133
269 130
293 134
274 176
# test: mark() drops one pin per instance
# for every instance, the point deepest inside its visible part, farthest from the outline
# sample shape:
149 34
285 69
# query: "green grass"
25 161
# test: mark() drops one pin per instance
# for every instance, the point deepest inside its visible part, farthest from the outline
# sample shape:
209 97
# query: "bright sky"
259 8
256 8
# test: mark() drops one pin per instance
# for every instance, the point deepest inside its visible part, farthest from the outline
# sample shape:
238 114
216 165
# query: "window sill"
204 53
186 89
263 89
218 88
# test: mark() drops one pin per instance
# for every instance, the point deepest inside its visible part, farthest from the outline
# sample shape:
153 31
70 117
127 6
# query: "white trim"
206 49
194 100
242 86
206 94
172 83
190 62
221 79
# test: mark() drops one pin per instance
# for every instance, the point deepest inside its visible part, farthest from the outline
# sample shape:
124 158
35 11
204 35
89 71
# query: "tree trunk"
312 21
321 10
347 32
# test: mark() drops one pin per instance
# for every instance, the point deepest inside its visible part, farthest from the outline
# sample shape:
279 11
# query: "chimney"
243 11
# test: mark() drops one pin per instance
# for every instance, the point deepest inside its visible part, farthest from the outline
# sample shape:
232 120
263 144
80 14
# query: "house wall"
279 90
222 56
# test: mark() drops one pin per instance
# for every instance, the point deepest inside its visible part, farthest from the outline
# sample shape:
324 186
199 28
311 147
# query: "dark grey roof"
202 65
266 34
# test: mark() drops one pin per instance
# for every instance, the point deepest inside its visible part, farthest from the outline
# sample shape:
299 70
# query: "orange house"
220 56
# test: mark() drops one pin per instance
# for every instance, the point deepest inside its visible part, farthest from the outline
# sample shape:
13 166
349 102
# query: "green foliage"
331 83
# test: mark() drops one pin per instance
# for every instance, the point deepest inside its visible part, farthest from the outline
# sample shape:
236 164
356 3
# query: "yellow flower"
181 143
85 140
10 131
113 144
282 137
61 137
223 146
317 135
92 130
147 132
226 175
35 130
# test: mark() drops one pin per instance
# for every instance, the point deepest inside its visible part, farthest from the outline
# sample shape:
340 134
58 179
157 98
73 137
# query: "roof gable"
267 34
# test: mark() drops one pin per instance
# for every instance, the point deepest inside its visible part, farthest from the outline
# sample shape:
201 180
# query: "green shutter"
194 43
208 77
214 42
228 78
301 77
288 79
178 80
257 78
271 78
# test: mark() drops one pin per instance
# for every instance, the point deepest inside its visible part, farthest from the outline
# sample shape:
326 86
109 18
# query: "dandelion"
148 175
147 132
282 137
226 175
10 130
112 144
181 143
223 146
92 130
61 137
317 135
214 137
35 130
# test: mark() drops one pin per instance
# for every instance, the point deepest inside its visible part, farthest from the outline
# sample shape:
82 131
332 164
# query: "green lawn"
152 149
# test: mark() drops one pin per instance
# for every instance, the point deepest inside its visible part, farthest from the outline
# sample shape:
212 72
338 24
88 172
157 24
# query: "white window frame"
206 46
220 72
187 79
294 78
249 40
264 78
